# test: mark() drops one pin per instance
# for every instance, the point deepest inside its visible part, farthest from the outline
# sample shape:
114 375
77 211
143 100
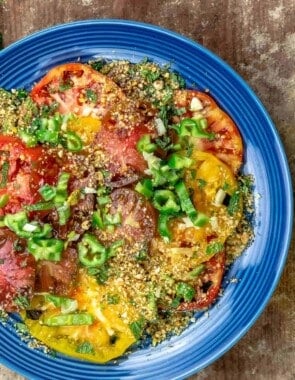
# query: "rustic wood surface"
258 39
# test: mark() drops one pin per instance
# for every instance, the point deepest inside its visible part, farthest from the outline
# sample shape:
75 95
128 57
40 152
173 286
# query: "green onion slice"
145 145
77 319
198 219
73 142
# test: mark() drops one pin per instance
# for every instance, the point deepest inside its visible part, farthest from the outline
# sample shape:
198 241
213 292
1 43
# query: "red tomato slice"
29 169
124 162
78 89
17 272
57 277
211 278
227 144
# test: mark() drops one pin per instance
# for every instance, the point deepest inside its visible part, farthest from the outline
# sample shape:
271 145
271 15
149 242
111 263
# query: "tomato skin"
227 144
17 271
213 273
29 169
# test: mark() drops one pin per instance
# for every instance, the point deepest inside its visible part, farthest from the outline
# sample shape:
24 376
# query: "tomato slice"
138 223
227 144
208 285
107 338
28 170
124 162
78 89
17 272
57 277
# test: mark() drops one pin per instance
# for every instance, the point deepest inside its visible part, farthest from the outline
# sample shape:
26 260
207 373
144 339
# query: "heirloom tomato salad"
121 202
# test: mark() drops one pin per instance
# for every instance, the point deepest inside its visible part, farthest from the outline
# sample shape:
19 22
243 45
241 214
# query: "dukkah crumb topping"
121 204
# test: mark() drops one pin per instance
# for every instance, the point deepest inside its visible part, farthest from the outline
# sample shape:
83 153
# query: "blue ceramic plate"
258 269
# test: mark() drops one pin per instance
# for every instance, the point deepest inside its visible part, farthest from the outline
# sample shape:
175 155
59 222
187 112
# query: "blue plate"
258 269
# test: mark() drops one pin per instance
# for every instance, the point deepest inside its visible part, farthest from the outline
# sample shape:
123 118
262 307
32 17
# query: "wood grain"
257 38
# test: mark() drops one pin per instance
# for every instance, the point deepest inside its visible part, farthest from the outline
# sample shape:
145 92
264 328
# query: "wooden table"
257 38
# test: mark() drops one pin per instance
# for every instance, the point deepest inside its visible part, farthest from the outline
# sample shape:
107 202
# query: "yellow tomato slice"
210 176
192 245
107 338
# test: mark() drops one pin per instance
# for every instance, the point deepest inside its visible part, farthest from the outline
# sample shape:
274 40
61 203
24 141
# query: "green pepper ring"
91 252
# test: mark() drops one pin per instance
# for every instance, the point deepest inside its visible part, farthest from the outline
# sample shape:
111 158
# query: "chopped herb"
214 248
100 273
141 255
47 192
137 328
246 183
40 206
150 75
201 183
185 291
178 111
113 299
49 110
75 319
22 93
164 115
85 348
91 95
98 65
193 174
22 302
175 303
152 304
105 173
177 80
21 327
234 203
197 271
164 142
64 87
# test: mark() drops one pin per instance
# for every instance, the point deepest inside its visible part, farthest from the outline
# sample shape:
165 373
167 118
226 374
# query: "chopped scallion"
78 319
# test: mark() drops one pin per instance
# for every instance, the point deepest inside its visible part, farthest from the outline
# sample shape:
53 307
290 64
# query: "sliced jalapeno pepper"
191 127
91 252
166 202
176 161
46 249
